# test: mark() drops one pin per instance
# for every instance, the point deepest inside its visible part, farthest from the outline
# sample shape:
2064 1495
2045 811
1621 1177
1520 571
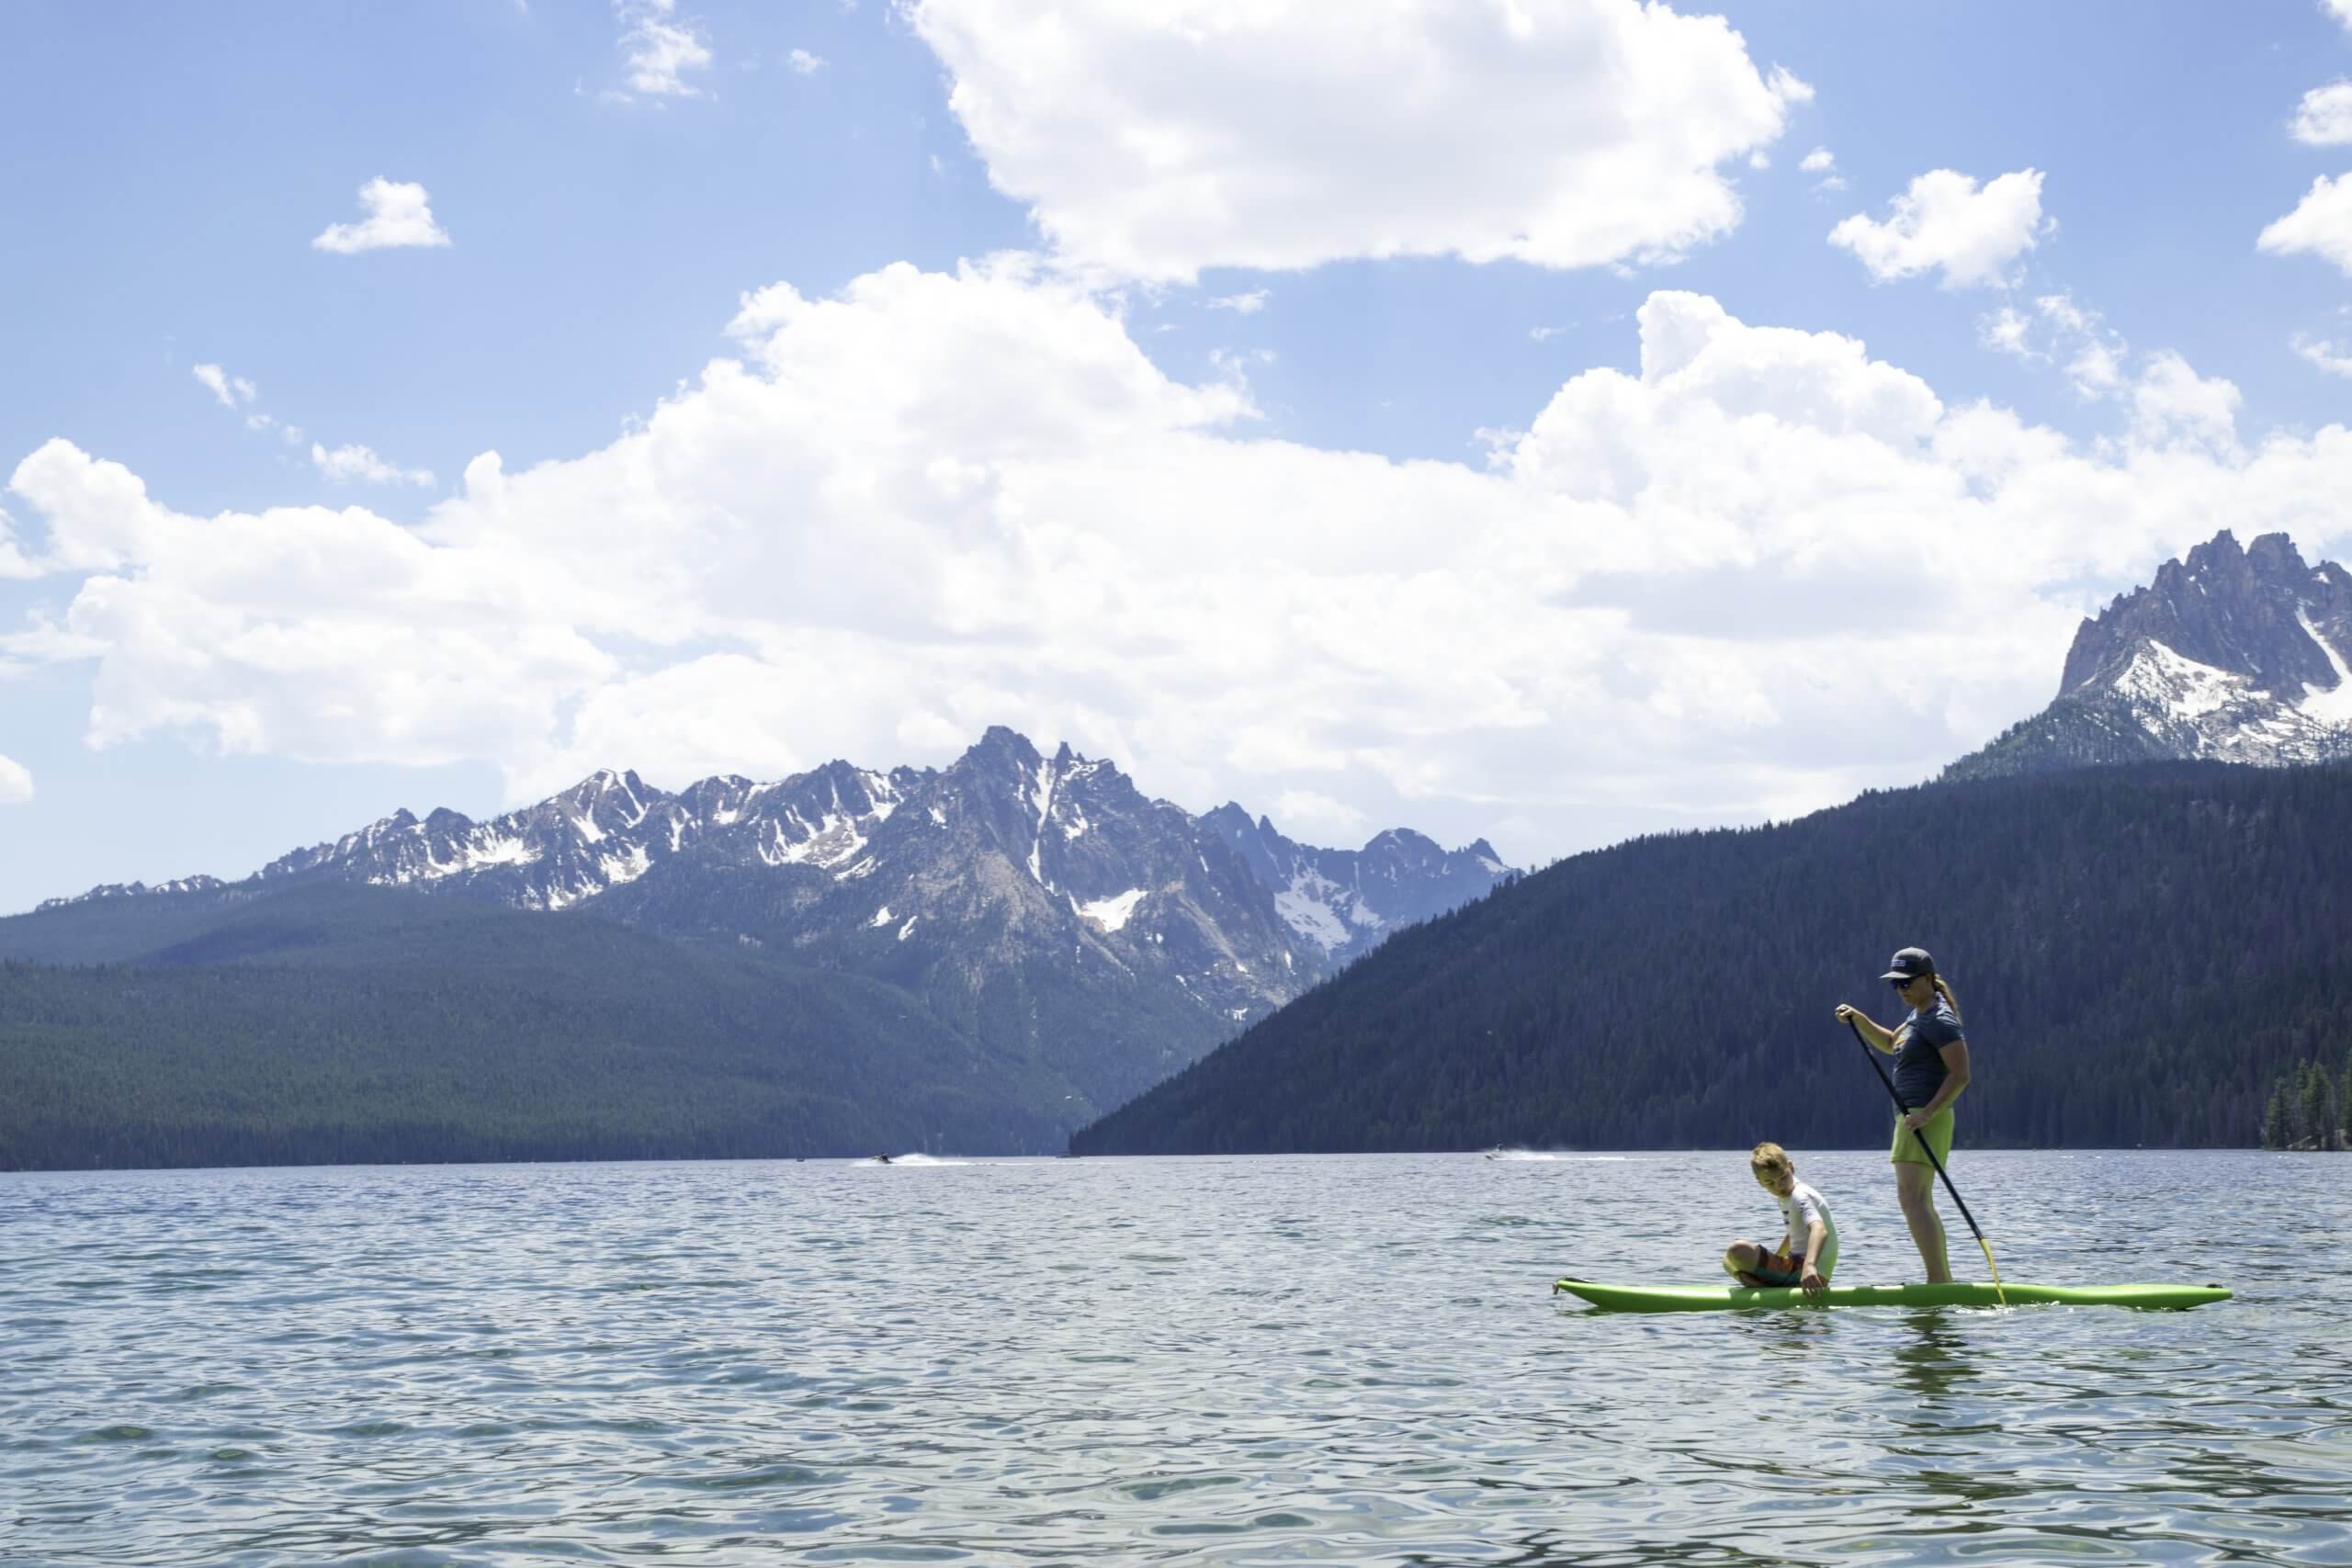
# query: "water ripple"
1201 1361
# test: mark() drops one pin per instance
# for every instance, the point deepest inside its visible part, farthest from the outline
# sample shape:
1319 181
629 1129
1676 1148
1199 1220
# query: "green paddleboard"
1735 1298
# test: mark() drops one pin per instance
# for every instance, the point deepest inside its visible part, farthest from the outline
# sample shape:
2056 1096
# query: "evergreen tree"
2274 1118
2318 1099
2344 1101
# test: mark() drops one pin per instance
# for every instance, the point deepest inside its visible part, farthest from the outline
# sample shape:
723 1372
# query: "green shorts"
1905 1150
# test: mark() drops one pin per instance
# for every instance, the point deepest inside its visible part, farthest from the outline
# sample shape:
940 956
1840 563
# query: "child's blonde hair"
1772 1157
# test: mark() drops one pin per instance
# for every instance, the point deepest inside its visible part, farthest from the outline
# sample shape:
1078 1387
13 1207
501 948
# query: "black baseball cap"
1910 963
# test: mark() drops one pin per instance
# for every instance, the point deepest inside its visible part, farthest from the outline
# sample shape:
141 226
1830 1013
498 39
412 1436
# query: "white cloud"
805 64
2325 116
354 462
1151 142
1248 304
2007 331
938 502
660 50
229 390
2094 353
2321 225
14 562
2097 367
15 783
1305 814
2341 9
2322 355
1821 161
1943 222
2171 402
397 214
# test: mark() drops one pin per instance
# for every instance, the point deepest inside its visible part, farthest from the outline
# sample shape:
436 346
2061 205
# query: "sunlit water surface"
1350 1359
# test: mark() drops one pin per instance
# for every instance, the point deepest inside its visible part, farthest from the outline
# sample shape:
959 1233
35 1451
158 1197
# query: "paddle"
1926 1149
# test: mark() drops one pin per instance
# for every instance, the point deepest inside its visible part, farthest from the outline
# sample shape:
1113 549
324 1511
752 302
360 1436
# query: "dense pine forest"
2143 955
337 1024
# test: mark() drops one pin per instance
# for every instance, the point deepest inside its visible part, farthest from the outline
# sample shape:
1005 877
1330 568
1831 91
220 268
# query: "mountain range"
1040 907
987 955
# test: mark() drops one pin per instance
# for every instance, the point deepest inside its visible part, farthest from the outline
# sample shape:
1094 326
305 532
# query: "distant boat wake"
1558 1160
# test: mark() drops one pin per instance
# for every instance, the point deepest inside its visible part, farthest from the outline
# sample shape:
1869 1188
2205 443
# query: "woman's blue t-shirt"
1920 1068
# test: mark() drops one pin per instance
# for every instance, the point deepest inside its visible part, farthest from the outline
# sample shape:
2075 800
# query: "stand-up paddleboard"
1736 1298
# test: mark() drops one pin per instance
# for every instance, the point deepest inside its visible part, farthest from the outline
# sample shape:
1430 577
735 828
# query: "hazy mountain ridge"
1041 909
1346 901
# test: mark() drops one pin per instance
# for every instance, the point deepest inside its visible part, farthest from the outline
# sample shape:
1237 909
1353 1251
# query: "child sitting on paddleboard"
1808 1249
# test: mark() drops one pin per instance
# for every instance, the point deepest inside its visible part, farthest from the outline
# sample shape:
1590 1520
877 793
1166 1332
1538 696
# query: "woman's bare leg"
1915 1185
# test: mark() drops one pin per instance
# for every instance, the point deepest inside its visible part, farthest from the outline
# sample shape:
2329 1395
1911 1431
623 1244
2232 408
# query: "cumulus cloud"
1943 222
1151 142
804 63
15 783
2321 225
1248 304
2007 330
2170 405
2062 331
230 389
660 50
354 462
934 502
1820 161
398 215
2325 116
2324 355
2171 402
2340 9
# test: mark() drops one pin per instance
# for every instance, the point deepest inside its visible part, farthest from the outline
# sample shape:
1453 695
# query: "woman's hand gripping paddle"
1920 1134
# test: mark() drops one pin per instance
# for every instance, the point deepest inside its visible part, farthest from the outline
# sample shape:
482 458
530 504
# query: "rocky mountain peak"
2250 612
2235 653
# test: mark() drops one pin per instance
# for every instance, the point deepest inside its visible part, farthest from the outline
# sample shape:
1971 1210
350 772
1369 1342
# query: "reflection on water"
1932 1356
1217 1361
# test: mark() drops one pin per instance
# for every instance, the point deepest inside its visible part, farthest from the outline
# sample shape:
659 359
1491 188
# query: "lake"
1340 1358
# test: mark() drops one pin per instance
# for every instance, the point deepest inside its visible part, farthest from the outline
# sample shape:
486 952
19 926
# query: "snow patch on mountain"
2179 686
2329 704
1305 910
1111 913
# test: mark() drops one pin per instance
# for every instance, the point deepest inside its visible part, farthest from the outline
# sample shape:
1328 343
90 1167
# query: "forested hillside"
329 1024
2140 953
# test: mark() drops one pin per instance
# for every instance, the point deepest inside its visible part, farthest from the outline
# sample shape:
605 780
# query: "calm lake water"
1350 1359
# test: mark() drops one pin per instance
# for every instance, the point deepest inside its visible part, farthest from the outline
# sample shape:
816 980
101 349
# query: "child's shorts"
1780 1269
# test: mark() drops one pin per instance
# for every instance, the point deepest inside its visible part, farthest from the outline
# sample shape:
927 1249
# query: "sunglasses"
1905 984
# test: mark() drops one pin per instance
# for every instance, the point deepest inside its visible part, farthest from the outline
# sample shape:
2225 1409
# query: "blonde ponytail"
1949 1000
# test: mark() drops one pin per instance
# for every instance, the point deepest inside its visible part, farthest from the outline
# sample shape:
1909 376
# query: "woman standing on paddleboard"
1930 1069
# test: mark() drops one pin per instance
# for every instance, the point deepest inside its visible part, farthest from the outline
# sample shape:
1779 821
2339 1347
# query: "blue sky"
1398 594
